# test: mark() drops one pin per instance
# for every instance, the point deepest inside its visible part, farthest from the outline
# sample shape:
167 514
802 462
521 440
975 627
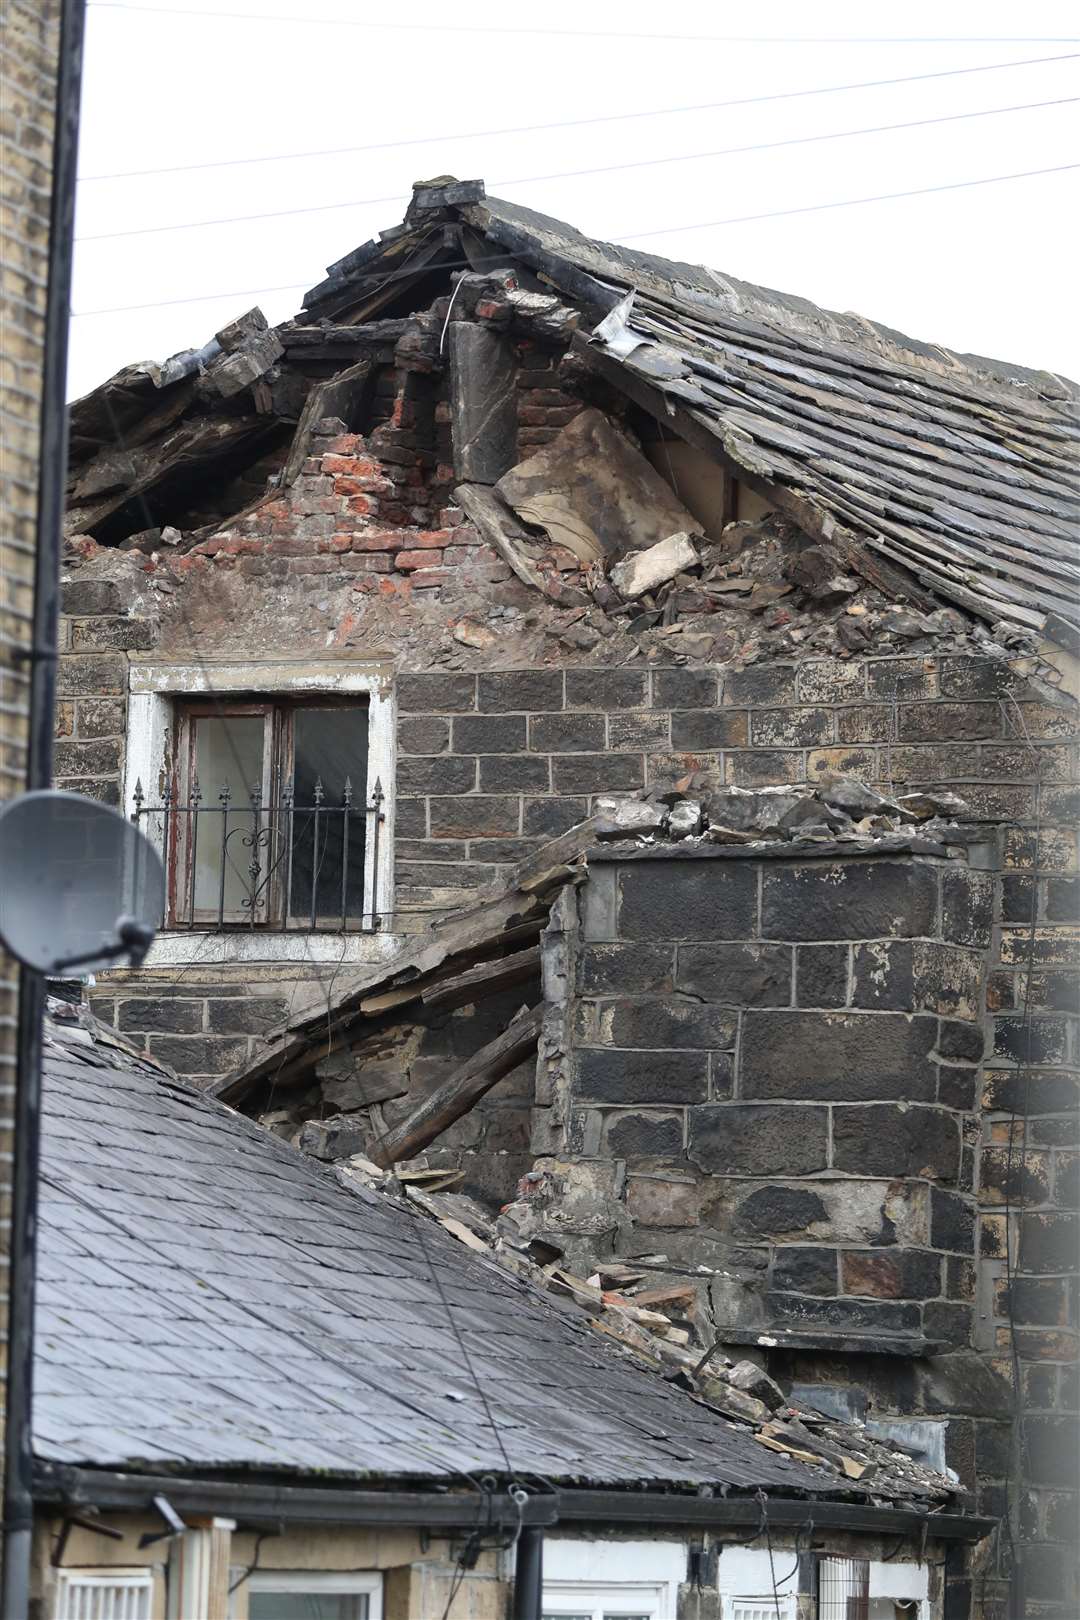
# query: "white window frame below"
598 1599
320 1582
79 1584
638 1577
153 692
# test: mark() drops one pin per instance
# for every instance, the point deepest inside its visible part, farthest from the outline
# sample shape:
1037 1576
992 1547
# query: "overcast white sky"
990 269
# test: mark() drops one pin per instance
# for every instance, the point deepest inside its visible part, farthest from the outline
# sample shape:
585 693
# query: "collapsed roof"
938 476
210 1299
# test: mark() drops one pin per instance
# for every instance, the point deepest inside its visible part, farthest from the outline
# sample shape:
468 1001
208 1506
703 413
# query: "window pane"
329 749
228 753
307 1606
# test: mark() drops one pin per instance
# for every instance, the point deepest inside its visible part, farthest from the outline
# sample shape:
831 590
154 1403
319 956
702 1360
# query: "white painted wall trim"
153 689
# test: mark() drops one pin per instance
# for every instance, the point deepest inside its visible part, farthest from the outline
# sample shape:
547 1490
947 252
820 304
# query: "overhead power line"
849 202
577 123
574 174
638 236
609 35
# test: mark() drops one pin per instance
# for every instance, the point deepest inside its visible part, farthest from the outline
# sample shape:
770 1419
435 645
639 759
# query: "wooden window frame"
278 711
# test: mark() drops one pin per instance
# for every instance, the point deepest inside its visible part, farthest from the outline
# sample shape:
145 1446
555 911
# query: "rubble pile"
839 810
661 1326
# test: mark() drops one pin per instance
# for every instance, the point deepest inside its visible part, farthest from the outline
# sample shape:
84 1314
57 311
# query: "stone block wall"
784 1056
491 761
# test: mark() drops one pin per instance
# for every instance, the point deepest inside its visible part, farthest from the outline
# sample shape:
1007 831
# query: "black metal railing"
247 861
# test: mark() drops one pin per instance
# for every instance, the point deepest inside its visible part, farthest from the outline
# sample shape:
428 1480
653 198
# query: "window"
269 802
264 817
611 1580
759 1608
103 1594
843 1588
615 1601
305 1595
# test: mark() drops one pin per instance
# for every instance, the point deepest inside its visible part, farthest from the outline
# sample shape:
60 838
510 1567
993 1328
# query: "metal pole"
18 1436
529 1574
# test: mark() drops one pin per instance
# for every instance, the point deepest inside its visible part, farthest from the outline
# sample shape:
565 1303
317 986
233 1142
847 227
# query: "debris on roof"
210 1298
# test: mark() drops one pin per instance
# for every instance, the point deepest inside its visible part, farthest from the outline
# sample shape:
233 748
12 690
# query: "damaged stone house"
611 731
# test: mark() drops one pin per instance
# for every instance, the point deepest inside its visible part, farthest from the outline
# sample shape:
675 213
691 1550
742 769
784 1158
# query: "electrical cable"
576 174
849 202
291 286
638 236
607 35
578 123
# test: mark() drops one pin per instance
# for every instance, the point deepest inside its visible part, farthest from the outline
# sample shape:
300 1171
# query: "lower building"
270 1388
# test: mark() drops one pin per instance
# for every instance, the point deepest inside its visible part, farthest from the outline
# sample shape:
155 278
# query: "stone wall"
783 1054
491 761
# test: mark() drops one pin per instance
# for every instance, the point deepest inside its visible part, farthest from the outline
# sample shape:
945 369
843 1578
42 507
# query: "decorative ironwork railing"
247 861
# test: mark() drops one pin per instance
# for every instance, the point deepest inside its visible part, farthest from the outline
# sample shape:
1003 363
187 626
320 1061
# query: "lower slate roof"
208 1298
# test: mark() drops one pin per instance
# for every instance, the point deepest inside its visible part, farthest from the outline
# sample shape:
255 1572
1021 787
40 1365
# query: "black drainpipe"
529 1574
52 476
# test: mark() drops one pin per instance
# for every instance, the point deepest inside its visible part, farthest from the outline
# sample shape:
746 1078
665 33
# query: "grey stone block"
441 694
855 899
642 1077
92 675
952 1222
806 1271
567 733
605 689
736 974
644 1135
445 774
882 975
489 734
896 1140
520 690
676 900
837 1057
664 1023
759 1139
821 975
967 907
626 968
684 688
598 773
161 1016
509 773
423 734
547 818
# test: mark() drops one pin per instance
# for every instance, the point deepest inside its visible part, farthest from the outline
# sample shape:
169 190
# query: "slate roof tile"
296 1326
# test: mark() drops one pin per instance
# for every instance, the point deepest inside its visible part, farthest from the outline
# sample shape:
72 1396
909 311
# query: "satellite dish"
80 887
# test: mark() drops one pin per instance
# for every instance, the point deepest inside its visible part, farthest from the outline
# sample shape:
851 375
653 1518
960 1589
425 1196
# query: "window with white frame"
612 1580
301 1594
618 1600
266 789
759 1608
103 1594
